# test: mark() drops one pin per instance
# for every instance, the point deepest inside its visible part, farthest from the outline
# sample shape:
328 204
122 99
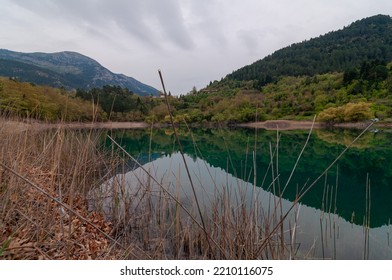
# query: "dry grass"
64 164
47 173
63 196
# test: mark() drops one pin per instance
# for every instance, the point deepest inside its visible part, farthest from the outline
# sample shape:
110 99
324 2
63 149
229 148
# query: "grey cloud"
249 39
149 21
201 40
170 18
207 17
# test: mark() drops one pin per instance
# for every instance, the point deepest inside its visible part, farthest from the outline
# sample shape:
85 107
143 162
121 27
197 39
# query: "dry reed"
85 208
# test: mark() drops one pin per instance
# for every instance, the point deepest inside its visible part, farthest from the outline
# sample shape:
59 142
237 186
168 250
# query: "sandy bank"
283 125
102 125
18 126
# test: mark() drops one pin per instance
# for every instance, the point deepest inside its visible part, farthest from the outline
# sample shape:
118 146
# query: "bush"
331 115
351 112
354 112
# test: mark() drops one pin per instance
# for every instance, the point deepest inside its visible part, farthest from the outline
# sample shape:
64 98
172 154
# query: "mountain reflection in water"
336 204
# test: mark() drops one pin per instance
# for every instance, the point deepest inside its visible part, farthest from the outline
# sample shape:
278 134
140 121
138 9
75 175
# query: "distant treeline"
117 103
357 94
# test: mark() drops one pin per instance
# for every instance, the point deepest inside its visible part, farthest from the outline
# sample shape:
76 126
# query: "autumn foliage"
351 112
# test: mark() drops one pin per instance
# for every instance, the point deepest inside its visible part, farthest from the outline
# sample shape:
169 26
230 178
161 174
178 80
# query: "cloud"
151 22
194 42
170 20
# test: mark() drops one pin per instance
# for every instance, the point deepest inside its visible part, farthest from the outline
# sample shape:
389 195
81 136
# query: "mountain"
364 40
70 70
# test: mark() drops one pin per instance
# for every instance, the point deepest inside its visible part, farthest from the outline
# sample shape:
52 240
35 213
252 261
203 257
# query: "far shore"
18 126
15 126
283 125
306 125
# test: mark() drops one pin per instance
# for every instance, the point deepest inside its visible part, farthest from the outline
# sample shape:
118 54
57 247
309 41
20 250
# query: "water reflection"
331 215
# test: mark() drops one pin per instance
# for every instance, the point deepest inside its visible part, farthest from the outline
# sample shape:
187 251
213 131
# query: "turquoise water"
331 215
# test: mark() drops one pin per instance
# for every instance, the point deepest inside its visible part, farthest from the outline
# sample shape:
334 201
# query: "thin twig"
186 165
164 189
299 157
310 187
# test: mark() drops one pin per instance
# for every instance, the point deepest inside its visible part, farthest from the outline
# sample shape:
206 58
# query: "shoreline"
101 125
19 126
283 125
306 125
15 125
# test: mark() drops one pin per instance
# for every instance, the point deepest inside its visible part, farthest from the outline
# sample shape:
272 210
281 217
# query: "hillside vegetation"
343 76
27 100
364 40
114 103
355 95
119 104
335 97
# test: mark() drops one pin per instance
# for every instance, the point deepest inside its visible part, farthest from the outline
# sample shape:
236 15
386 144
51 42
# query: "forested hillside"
27 100
119 104
343 76
364 40
354 95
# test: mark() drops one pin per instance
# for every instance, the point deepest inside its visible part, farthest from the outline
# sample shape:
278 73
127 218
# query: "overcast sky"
193 42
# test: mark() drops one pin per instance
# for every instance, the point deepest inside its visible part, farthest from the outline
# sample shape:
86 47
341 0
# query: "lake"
345 214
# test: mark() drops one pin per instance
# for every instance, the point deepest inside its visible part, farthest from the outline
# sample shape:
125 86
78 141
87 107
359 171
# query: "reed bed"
52 206
44 178
65 195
